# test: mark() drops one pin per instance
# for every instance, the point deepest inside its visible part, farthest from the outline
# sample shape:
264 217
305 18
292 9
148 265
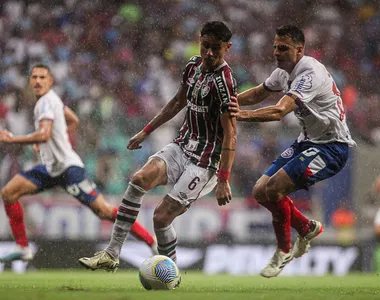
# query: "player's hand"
36 148
6 136
223 192
135 141
233 107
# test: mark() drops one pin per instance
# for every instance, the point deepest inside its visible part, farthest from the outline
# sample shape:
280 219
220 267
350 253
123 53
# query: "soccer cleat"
101 260
18 253
302 244
277 263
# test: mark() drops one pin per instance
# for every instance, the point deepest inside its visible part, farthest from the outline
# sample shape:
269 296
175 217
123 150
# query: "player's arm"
42 135
71 118
270 113
169 111
253 95
223 190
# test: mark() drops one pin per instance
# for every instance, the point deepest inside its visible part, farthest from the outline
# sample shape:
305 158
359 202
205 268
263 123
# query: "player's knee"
7 195
139 179
258 192
271 190
103 215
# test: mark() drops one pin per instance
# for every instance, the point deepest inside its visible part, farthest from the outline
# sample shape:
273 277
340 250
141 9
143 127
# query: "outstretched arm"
253 95
223 190
71 118
169 111
267 114
42 135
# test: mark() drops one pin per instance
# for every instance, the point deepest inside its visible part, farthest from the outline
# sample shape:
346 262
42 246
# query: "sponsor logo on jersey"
222 88
182 196
306 83
288 153
197 108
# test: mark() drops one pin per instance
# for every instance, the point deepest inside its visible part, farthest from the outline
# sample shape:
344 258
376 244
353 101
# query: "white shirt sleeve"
275 82
306 85
45 110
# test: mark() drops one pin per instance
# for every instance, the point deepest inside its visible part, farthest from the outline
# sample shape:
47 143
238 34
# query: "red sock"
16 221
142 234
281 213
298 221
114 213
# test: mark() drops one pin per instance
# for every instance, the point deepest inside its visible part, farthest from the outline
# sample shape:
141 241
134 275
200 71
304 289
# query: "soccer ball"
159 272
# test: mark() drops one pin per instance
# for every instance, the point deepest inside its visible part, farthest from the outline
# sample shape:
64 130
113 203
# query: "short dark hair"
217 29
40 65
295 33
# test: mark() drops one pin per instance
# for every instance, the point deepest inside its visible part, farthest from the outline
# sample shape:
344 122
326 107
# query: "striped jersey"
208 95
320 107
56 154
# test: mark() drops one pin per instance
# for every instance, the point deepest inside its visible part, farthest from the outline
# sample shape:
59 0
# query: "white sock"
126 215
167 241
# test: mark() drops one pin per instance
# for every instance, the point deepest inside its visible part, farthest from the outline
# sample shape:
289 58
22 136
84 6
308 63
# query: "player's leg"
106 211
22 184
194 183
152 174
165 213
319 162
271 191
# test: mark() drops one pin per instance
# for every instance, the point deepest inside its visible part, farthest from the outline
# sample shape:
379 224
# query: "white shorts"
190 181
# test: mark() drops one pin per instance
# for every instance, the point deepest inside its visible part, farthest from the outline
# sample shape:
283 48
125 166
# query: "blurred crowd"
116 63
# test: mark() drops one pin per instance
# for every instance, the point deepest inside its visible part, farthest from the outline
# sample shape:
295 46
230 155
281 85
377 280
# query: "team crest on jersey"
288 153
205 90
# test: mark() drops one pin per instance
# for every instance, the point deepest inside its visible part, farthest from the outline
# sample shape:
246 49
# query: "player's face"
286 52
212 52
40 81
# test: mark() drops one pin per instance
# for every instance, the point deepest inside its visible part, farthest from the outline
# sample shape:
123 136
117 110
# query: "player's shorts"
74 180
190 181
307 163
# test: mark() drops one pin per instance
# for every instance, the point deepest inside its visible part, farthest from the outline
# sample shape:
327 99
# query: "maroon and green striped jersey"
208 94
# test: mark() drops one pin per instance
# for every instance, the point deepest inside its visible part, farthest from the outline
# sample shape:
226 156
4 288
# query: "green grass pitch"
125 285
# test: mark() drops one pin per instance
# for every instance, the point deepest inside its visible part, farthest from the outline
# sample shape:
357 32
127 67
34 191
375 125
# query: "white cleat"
101 260
277 263
302 244
18 253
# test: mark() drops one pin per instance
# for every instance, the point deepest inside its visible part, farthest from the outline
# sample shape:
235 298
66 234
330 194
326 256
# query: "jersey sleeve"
305 86
187 70
45 110
274 83
226 87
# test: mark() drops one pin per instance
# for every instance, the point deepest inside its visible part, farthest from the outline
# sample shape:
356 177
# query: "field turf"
125 285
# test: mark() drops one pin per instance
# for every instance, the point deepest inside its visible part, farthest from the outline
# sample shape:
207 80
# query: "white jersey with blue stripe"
321 113
56 154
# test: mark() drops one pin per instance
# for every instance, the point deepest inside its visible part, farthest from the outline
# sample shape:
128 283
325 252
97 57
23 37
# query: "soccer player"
320 151
205 143
61 165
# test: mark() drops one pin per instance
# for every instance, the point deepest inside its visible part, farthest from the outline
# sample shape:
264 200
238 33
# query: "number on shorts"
310 152
73 190
193 183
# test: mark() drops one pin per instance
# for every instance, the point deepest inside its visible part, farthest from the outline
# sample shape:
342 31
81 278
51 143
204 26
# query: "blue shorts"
307 163
74 180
